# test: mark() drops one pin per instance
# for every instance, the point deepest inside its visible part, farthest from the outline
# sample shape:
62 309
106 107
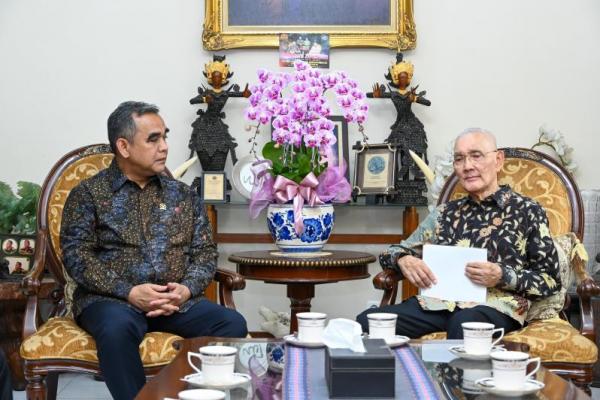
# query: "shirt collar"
118 178
500 197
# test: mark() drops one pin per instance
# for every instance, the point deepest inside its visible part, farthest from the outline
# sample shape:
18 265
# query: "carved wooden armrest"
586 290
228 282
31 285
230 279
387 280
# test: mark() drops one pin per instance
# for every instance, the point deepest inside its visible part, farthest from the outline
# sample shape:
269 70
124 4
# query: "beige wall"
507 65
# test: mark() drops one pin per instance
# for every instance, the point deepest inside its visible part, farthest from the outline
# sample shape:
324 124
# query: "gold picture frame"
400 34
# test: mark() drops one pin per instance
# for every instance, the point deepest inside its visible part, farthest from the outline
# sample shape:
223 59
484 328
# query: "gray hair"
121 123
471 131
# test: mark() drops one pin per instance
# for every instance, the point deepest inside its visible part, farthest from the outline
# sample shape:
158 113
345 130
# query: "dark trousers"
118 330
415 322
5 383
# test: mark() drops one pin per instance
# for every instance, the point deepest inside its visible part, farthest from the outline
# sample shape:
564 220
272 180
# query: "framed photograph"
375 169
16 255
232 24
341 146
312 48
214 187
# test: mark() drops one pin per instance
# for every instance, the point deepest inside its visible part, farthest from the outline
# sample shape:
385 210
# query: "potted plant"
299 177
17 228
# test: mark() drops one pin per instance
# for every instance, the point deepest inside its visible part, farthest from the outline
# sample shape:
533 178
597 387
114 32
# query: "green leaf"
18 214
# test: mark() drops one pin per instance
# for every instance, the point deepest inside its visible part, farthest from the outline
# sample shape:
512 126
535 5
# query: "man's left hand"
181 290
484 273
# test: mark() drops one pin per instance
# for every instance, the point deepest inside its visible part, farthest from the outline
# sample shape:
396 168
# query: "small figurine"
210 138
408 132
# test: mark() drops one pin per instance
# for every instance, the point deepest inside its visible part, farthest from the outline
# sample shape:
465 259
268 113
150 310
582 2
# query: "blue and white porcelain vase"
318 223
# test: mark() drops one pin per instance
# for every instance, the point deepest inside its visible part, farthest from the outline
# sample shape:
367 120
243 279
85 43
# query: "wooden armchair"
59 345
564 350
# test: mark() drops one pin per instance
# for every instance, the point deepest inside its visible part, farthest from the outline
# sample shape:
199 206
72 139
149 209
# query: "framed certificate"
213 187
375 169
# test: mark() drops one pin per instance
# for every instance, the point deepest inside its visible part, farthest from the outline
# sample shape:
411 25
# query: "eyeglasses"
476 157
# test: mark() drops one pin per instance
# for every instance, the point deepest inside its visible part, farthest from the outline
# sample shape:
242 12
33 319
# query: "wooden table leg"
300 295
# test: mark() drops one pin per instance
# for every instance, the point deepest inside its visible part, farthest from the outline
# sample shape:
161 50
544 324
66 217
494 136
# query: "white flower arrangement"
442 168
554 139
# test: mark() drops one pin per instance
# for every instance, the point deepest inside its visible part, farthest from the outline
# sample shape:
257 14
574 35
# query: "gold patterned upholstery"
555 340
60 337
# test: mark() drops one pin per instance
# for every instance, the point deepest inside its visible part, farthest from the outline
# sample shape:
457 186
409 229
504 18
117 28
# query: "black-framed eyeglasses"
474 156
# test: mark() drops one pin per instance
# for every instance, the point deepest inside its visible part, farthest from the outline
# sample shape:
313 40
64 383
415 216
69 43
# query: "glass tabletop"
262 360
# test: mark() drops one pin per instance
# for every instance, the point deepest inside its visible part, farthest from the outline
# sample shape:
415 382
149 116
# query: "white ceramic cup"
510 369
382 325
471 375
201 394
217 363
311 326
478 337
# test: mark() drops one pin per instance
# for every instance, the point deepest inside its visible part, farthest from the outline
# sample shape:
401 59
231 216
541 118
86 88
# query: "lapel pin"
162 206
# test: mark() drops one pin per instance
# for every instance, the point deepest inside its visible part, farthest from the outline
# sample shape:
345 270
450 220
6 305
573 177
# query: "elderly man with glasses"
522 260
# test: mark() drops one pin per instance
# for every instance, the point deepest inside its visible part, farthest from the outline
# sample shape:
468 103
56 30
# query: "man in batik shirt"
522 261
139 246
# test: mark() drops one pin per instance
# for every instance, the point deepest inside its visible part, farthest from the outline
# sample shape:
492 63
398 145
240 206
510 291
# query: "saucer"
531 386
294 341
397 340
460 352
197 380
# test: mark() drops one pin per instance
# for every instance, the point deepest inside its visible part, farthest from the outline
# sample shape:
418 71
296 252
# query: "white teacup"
201 394
478 337
311 326
382 325
510 369
217 363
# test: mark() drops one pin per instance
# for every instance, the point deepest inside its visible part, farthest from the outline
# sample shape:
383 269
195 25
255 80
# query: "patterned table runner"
304 375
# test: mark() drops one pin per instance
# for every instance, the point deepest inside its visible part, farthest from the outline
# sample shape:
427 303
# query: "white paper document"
448 265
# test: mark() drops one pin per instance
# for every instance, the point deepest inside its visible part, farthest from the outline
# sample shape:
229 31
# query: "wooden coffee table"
167 383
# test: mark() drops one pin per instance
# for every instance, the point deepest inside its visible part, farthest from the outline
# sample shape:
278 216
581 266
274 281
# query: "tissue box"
356 375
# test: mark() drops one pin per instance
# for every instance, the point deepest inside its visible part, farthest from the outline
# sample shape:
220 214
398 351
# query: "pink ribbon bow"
285 190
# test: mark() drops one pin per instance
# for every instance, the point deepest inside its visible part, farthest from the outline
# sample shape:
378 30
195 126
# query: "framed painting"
232 24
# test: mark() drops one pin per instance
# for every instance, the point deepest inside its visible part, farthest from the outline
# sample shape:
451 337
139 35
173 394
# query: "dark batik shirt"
513 229
116 235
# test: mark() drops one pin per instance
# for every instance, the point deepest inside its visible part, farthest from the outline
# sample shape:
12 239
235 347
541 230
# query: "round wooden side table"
302 274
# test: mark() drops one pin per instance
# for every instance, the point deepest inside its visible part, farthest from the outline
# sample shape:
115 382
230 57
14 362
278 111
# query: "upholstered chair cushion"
60 337
555 340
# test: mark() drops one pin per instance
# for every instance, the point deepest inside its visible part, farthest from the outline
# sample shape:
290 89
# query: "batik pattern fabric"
116 235
513 229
